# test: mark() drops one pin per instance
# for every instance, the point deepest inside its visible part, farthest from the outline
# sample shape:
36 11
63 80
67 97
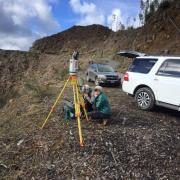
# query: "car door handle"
156 79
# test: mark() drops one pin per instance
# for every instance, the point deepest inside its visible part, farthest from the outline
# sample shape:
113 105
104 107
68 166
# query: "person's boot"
105 121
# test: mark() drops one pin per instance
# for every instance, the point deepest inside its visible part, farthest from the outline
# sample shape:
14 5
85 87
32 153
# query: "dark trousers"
98 115
88 107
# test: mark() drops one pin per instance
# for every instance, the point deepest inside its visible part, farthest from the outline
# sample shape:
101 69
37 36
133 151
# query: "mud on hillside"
135 144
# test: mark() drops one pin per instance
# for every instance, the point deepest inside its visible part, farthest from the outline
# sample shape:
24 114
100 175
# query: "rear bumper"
111 82
126 87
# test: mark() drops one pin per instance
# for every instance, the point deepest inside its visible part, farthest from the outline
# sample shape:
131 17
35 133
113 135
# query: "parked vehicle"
153 80
103 74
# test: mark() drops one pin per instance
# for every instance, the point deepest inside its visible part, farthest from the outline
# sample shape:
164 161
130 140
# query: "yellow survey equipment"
78 103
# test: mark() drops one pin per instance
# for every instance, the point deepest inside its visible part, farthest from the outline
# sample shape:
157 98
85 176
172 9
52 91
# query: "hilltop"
85 38
160 33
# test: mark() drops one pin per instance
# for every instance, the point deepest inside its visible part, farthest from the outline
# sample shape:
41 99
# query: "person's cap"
85 88
98 88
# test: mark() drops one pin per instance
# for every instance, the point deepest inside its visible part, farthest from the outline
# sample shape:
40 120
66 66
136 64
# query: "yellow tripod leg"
59 96
83 106
82 102
75 99
78 113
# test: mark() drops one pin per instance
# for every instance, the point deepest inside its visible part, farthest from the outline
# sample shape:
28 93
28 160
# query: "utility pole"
115 22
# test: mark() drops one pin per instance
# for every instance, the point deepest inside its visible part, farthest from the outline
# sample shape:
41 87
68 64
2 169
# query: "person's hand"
85 95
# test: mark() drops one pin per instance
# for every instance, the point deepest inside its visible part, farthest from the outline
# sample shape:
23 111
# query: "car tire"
118 84
145 99
97 82
88 78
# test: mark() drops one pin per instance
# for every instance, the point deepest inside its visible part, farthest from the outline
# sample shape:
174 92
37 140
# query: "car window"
170 67
105 68
93 66
142 65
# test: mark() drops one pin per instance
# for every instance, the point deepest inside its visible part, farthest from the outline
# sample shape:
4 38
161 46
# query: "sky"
24 21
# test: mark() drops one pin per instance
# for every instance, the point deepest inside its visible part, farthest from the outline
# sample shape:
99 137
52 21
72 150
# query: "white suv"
153 80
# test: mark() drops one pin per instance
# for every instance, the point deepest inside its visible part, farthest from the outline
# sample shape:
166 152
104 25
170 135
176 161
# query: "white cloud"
83 8
134 22
15 42
89 12
110 13
23 21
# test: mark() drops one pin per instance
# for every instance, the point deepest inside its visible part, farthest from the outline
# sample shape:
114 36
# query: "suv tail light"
126 77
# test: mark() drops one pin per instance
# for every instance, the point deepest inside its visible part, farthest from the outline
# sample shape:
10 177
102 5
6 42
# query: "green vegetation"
37 89
165 4
148 8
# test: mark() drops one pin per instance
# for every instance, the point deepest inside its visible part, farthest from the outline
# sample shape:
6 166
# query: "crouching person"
101 108
87 96
68 108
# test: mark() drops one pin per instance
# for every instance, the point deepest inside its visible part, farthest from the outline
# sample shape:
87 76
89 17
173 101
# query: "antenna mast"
115 22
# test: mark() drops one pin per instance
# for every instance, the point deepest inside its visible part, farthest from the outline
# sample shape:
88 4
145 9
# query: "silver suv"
103 74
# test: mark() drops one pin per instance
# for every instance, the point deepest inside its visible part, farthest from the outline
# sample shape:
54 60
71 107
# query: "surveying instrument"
77 97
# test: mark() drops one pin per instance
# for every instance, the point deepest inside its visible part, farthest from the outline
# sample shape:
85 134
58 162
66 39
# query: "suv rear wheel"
144 98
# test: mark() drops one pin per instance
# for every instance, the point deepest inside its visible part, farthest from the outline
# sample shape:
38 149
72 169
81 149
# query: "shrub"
165 4
37 89
2 102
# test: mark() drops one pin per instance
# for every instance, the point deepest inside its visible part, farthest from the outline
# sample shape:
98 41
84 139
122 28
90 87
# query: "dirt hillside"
85 38
18 68
162 32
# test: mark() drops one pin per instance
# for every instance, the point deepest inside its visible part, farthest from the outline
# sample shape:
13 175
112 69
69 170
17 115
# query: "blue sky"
64 14
24 21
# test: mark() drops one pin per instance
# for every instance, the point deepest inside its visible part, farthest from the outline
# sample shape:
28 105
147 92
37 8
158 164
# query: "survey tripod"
77 97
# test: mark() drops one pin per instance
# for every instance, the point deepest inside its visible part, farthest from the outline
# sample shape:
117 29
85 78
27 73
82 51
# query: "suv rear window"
105 68
93 66
170 67
141 65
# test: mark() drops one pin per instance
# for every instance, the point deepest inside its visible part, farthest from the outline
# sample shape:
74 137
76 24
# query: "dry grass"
36 89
